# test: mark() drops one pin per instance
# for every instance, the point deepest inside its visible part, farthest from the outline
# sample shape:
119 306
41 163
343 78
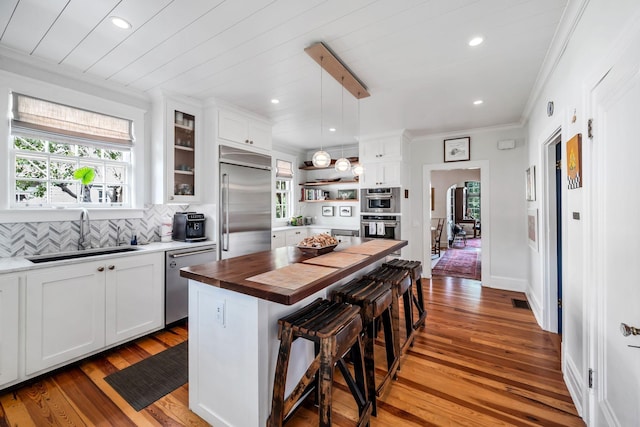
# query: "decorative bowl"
318 250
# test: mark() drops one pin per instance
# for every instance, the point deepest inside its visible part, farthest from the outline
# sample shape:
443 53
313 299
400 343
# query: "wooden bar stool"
415 270
401 285
335 329
375 299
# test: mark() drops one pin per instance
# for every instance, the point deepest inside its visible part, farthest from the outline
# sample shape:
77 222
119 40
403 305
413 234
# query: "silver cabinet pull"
111 267
101 268
628 330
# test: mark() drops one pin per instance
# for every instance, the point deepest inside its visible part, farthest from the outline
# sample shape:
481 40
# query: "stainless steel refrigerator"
245 202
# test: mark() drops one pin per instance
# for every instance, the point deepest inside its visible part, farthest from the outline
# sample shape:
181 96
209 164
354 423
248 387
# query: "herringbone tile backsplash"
23 239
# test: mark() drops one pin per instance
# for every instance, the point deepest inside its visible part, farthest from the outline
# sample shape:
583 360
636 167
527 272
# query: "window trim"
136 108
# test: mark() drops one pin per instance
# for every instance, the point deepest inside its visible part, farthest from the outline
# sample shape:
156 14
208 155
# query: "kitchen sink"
80 254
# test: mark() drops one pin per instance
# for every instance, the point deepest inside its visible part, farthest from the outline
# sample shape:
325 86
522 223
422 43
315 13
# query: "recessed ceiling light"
332 129
478 102
275 101
120 22
475 41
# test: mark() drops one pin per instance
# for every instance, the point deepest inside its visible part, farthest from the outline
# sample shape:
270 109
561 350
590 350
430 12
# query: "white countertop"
16 264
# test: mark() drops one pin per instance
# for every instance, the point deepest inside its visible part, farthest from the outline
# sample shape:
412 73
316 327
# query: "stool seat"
415 270
375 299
400 282
335 330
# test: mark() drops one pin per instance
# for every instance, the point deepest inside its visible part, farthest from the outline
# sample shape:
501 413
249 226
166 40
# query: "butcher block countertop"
286 275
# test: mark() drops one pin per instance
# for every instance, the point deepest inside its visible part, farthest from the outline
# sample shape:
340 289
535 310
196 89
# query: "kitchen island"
234 307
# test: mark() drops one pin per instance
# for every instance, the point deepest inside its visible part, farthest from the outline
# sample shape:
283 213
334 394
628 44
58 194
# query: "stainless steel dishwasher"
176 298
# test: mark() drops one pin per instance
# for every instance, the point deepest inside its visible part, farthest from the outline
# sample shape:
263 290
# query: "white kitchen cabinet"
278 239
75 310
247 132
64 314
177 157
384 160
134 296
9 327
383 149
293 237
382 175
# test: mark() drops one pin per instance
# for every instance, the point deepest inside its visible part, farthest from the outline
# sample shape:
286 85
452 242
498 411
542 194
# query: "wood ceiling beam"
334 66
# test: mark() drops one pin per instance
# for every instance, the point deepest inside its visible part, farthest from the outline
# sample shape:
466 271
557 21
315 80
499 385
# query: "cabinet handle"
246 141
170 197
111 267
101 268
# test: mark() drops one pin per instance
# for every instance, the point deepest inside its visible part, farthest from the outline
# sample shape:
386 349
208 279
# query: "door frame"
485 208
549 226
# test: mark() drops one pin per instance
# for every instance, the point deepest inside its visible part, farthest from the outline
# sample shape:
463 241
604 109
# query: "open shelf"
328 200
319 183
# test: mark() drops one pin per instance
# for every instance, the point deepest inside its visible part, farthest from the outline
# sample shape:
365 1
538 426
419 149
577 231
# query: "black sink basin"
80 254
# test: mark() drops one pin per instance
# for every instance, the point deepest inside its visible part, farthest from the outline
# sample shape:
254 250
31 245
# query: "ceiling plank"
30 22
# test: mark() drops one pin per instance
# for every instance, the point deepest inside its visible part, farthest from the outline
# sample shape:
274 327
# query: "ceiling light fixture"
275 101
332 129
478 102
321 159
342 164
120 22
358 169
336 68
475 41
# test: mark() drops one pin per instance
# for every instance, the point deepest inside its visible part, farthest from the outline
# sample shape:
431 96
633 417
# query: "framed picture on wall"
327 211
457 150
531 183
532 228
345 210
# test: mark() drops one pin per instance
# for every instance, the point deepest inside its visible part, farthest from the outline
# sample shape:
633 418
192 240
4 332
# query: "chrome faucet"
82 244
119 239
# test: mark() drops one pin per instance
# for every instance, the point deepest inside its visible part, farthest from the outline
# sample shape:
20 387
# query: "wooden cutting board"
371 247
293 276
336 259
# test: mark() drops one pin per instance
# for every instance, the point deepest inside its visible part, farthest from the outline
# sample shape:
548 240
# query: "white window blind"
34 116
284 169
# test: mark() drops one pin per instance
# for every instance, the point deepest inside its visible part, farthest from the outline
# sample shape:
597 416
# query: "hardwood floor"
478 362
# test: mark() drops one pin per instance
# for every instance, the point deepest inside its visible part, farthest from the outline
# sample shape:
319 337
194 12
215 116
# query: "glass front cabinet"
184 156
178 153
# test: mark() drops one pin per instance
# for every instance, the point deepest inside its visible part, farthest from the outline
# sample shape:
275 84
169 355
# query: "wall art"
531 183
574 162
457 150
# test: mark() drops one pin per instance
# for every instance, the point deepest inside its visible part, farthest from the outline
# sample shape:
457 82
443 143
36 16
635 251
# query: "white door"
615 400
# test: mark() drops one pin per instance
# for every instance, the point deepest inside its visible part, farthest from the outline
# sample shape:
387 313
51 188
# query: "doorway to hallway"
439 178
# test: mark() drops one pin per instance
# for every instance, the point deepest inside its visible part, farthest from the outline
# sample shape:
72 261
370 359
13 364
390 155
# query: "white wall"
505 195
583 62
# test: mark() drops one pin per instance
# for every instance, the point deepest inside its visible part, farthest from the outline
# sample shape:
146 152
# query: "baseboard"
506 283
536 308
575 383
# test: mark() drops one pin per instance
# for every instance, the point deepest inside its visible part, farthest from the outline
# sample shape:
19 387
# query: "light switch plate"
219 312
576 215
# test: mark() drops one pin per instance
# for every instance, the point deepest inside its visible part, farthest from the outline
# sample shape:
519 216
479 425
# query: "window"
284 175
473 199
55 146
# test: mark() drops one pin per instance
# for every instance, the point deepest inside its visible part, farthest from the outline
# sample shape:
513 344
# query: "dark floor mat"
150 379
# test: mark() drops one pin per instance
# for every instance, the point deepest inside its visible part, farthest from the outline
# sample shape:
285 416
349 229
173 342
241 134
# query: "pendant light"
342 164
321 159
357 169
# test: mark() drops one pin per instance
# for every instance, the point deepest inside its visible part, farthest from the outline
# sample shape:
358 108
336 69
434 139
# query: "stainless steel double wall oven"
380 213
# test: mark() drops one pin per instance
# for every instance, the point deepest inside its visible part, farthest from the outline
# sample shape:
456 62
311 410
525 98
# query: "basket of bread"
318 244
